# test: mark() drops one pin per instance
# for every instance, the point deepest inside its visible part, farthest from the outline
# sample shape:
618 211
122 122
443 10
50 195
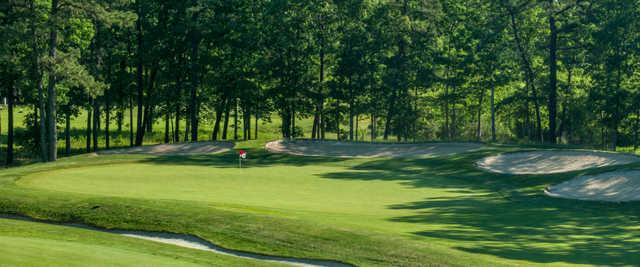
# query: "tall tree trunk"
314 129
10 135
454 121
140 76
187 128
255 128
350 110
51 88
89 119
235 119
67 134
493 113
121 87
617 116
373 127
0 125
147 120
216 124
119 119
195 80
528 73
37 80
614 138
635 130
394 95
323 122
337 119
131 143
167 119
107 122
390 114
176 133
247 117
227 109
318 120
356 132
564 121
553 76
479 118
96 119
293 121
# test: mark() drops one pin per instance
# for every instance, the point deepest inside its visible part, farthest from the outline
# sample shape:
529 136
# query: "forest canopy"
511 71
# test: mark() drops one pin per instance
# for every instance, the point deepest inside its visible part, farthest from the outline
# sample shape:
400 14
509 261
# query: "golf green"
371 212
301 191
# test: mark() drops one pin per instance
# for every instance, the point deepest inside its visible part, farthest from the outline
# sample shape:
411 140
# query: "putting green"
36 244
300 191
371 212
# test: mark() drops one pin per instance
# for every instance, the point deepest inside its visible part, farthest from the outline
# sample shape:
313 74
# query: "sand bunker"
617 186
175 149
368 150
552 161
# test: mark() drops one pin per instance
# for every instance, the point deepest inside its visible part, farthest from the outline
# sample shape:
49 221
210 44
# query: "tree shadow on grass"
538 229
508 215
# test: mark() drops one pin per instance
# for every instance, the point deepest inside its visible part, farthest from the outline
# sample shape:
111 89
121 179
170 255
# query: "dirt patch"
552 161
616 186
175 149
368 150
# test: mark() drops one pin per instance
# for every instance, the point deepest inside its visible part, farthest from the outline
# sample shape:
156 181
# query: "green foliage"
420 70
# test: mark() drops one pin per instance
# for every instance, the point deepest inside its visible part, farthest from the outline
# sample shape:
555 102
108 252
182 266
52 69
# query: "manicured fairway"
36 244
409 211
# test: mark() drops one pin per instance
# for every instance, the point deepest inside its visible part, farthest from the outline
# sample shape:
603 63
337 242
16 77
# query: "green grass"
370 212
36 244
309 190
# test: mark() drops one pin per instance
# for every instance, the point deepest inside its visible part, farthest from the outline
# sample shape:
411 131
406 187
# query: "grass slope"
36 244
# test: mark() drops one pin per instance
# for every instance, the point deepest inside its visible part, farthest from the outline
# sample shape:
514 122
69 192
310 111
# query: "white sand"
552 161
175 149
616 186
368 150
200 244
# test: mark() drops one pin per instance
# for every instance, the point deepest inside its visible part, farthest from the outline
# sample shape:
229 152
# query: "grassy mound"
36 244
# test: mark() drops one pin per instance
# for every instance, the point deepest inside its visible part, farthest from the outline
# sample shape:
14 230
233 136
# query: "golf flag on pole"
241 155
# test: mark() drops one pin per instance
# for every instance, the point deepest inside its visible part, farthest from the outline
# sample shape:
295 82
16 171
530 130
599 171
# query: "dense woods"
544 71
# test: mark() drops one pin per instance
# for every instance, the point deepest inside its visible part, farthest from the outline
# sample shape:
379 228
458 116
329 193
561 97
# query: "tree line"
544 71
